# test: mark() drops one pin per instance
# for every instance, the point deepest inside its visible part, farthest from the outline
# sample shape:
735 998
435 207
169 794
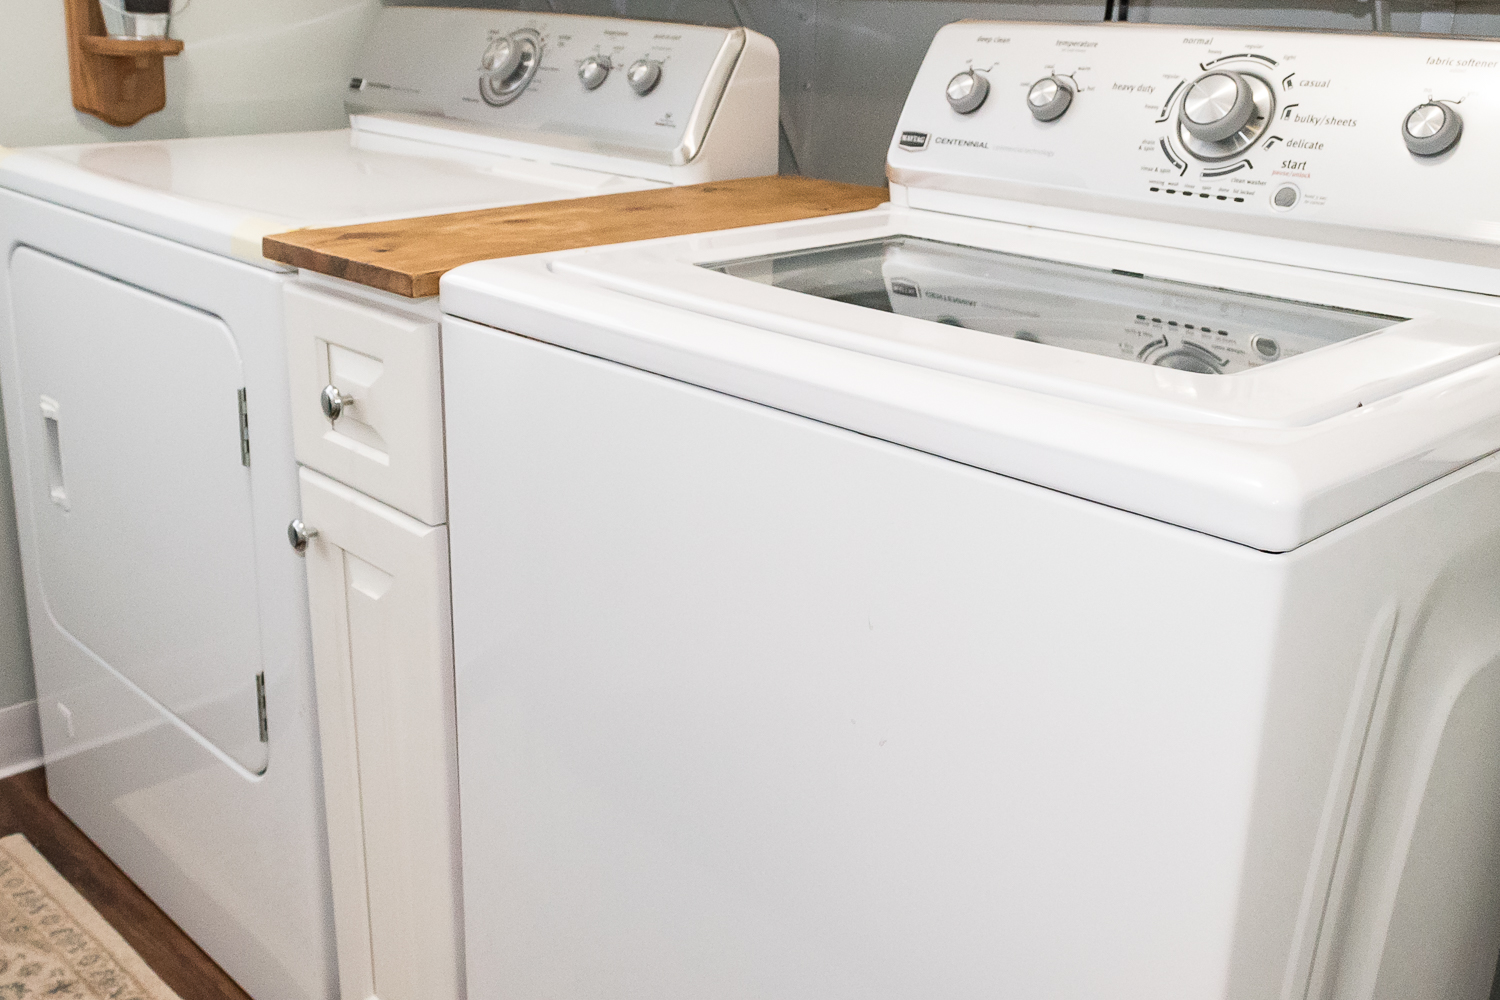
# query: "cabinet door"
382 650
388 442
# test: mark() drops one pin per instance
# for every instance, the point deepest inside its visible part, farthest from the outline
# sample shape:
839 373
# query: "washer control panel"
1368 131
615 84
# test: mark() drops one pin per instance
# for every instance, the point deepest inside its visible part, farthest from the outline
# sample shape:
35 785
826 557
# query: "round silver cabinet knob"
1049 98
1432 128
593 70
1217 106
643 76
334 403
967 91
299 534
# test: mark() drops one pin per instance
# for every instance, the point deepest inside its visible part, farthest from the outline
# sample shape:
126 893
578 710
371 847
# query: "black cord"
1109 10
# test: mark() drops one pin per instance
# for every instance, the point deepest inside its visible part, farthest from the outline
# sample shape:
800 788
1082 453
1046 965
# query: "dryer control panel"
636 88
1212 126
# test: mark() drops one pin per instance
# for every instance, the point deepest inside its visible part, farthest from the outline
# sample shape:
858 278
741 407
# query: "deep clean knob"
967 91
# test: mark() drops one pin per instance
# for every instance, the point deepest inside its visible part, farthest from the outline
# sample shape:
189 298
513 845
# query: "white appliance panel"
1334 140
320 178
1271 457
239 861
438 72
752 706
224 194
139 484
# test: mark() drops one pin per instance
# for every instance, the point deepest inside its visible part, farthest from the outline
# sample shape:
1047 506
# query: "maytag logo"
912 140
900 286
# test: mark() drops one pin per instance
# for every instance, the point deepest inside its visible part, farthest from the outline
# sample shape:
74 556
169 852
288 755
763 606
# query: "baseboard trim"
20 739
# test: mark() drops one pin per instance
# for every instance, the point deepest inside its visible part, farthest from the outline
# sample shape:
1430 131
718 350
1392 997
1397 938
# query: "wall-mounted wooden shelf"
117 80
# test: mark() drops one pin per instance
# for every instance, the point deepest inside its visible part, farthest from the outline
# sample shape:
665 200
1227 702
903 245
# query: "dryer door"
141 492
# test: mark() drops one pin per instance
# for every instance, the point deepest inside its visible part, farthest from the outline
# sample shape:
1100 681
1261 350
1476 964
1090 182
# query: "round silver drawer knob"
299 534
334 403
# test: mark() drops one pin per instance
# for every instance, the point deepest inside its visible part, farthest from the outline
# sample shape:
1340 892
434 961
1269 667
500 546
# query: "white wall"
247 66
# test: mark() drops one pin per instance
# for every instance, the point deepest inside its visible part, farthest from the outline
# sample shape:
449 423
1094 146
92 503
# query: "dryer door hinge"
260 706
244 431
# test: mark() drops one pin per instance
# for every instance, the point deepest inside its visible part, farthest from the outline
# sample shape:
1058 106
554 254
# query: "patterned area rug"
54 945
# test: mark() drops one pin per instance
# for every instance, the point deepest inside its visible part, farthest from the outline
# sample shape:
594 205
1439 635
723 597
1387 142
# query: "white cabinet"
386 436
382 649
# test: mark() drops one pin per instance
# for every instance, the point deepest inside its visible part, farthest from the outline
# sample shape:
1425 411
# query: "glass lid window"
1118 314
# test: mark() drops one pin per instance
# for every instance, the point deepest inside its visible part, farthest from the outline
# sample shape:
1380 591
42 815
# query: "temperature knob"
1432 128
1049 98
643 76
508 66
1217 106
967 91
593 70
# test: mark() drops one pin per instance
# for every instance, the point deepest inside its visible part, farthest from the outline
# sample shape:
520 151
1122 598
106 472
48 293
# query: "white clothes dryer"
1075 579
145 385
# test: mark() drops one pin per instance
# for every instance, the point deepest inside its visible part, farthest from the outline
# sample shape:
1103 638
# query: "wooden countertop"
408 256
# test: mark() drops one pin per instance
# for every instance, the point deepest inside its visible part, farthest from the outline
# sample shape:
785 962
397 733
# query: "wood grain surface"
409 256
119 81
172 955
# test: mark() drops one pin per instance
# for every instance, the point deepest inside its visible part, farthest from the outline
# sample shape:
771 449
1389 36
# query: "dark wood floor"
182 965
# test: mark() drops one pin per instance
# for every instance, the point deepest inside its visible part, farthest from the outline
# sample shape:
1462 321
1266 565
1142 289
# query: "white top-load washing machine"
145 385
1076 579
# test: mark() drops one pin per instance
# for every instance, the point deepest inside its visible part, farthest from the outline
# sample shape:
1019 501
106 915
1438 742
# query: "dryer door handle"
56 487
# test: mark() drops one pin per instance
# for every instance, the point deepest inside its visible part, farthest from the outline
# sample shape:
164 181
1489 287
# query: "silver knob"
1049 98
508 66
967 91
502 57
643 76
1432 128
334 402
299 534
1217 106
593 70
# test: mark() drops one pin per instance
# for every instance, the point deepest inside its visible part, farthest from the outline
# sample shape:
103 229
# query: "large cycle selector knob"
1432 128
967 91
643 76
1217 106
1223 113
593 70
508 66
1049 98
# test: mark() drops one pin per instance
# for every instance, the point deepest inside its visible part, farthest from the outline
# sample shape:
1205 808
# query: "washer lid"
224 194
850 321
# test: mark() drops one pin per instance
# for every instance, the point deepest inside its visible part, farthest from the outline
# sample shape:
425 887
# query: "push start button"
1286 197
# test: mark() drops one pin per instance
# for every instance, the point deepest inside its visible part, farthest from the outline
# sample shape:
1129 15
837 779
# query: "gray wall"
846 64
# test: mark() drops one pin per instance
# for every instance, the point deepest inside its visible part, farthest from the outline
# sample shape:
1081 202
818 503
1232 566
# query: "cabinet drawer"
377 584
386 366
